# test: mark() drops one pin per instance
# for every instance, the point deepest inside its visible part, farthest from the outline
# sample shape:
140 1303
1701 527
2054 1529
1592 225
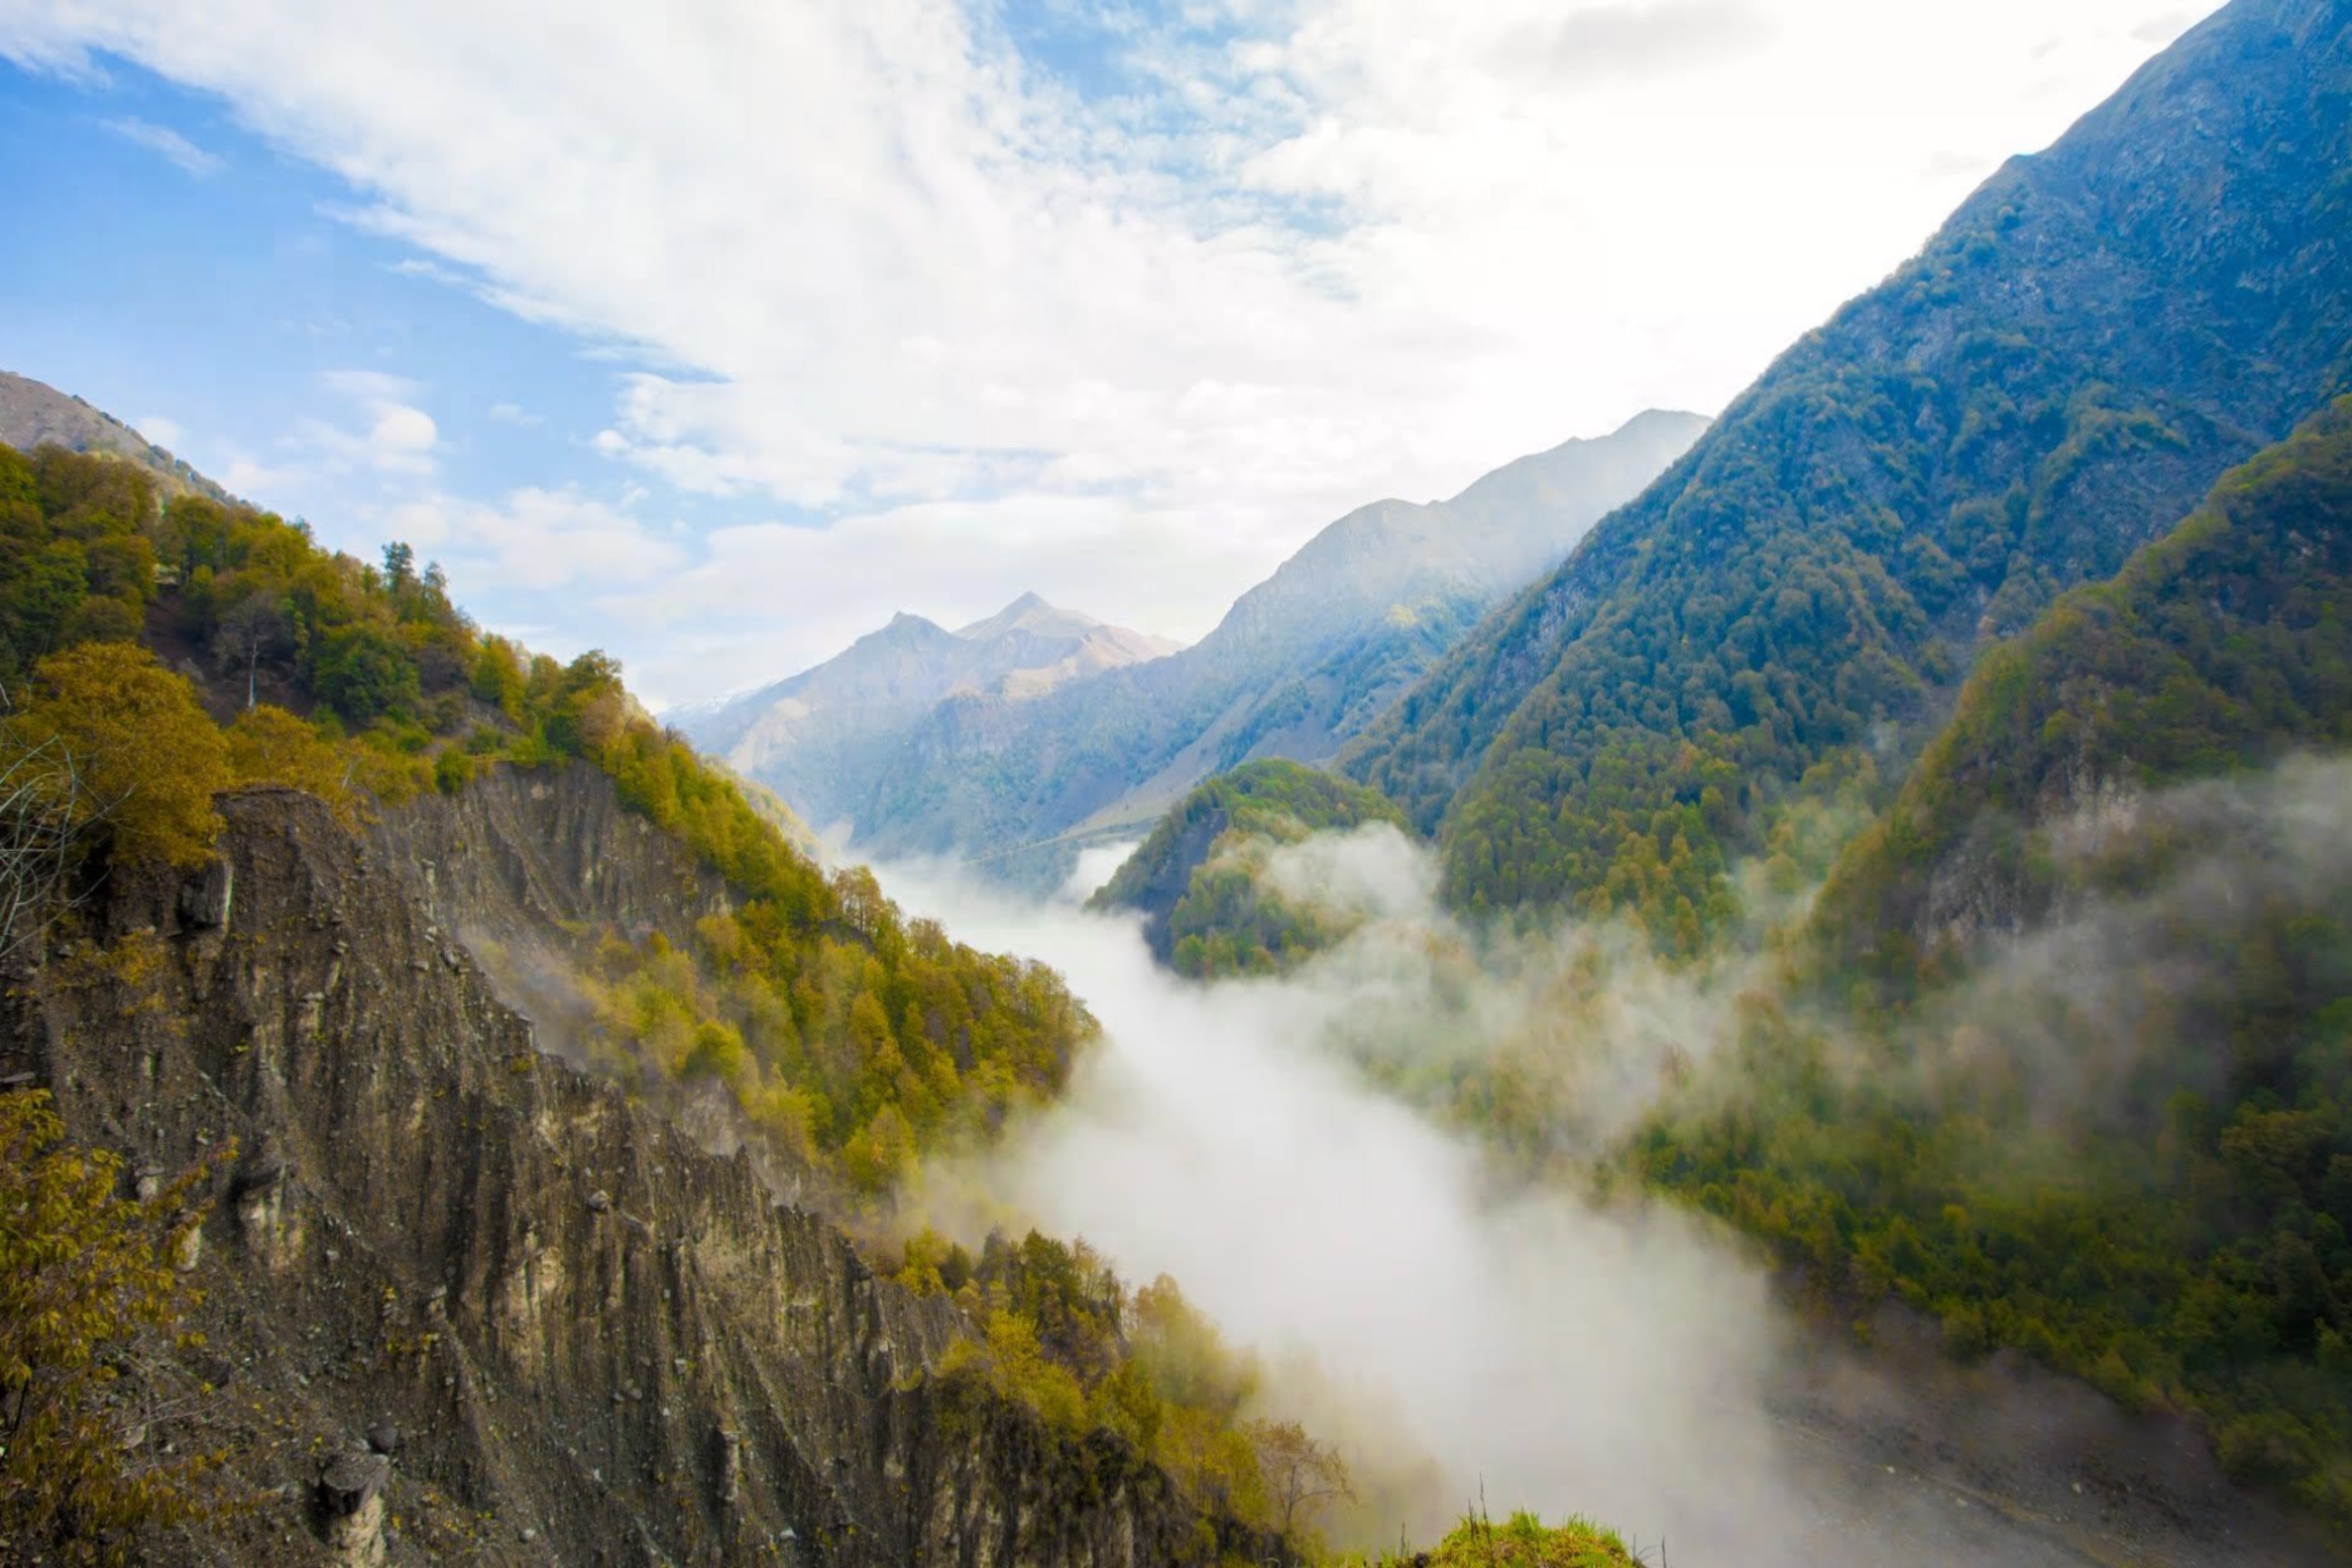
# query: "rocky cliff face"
536 855
569 1333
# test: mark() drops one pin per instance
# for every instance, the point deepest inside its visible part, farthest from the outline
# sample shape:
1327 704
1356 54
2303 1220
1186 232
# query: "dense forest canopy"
2225 646
2067 1060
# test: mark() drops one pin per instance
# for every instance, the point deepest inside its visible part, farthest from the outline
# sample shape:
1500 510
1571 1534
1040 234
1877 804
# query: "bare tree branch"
45 804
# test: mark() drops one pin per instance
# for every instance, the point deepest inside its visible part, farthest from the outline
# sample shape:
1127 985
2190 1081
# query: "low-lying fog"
1453 1337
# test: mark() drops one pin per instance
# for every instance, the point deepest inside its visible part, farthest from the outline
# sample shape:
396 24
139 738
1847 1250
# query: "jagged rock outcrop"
531 854
564 1332
532 868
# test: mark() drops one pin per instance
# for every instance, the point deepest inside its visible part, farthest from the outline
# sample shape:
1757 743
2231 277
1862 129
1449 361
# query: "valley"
1771 988
1614 1360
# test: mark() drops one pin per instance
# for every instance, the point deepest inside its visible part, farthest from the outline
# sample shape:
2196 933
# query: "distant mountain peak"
798 735
1662 418
1030 612
1301 662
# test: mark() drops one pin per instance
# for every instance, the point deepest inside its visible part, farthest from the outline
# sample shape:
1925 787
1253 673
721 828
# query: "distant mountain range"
1302 662
816 738
34 414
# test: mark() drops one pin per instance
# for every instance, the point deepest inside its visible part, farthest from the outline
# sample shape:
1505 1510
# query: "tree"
269 745
88 1293
399 565
148 757
497 675
1301 1475
256 625
40 802
365 674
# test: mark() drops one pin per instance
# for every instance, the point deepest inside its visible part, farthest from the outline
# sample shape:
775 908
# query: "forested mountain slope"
2067 1059
2223 647
1304 661
798 995
819 738
2092 338
1199 879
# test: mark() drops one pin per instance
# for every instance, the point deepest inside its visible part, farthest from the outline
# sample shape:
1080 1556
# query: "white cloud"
541 539
190 158
881 268
165 433
398 439
402 433
422 523
246 475
1628 42
370 385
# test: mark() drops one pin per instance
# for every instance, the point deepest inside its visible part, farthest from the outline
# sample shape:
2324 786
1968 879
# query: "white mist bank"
1553 1356
1460 1339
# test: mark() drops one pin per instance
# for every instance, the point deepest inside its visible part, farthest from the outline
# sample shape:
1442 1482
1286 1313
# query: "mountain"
2089 1090
1302 662
464 1302
1199 879
2218 651
814 738
2091 339
33 414
500 1087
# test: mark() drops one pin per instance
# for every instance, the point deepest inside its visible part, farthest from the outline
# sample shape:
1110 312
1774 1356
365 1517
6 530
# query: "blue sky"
228 292
713 334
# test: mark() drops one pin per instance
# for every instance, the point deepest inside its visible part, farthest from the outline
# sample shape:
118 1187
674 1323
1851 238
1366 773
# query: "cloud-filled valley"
1270 1143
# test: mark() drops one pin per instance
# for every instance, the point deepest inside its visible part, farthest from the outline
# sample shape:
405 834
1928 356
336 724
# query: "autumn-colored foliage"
149 758
91 1295
269 745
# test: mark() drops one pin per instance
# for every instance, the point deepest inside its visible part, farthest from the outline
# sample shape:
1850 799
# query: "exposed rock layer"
591 1341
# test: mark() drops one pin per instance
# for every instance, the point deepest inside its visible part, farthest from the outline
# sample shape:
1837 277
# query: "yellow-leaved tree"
147 757
89 1296
269 745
